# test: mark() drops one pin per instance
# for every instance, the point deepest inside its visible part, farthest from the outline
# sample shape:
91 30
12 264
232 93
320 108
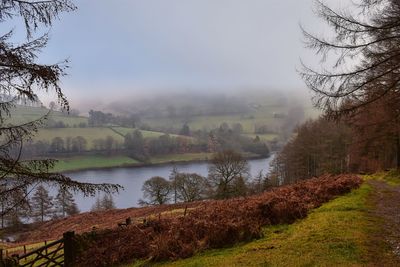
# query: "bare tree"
227 167
108 202
156 191
21 77
189 186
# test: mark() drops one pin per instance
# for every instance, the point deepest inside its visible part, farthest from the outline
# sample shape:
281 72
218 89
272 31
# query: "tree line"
137 146
39 207
228 176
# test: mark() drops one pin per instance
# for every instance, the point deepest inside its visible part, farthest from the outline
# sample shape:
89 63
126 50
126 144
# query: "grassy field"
264 115
336 234
98 161
248 121
22 114
92 162
90 134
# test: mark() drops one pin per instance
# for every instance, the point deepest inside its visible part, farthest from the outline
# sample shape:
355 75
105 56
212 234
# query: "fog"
138 48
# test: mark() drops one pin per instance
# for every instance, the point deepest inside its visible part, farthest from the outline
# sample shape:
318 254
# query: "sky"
131 48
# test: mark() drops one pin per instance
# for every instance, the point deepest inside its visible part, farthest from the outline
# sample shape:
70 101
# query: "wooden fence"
58 253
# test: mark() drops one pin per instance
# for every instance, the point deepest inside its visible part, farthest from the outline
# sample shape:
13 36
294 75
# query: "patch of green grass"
90 134
336 234
391 177
91 162
30 247
22 114
180 157
264 115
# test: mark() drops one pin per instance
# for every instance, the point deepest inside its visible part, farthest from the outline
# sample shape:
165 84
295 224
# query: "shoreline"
149 164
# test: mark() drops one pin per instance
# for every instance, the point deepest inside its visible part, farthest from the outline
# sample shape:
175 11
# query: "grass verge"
390 177
92 162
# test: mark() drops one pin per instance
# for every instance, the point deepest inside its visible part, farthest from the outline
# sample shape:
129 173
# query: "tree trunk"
398 151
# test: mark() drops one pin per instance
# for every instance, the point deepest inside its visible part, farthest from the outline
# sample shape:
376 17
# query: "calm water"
132 179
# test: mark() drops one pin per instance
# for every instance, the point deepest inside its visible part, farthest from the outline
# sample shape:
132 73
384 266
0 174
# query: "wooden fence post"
69 249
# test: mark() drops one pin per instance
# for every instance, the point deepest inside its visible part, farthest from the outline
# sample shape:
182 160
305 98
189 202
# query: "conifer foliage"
362 86
21 77
65 203
42 204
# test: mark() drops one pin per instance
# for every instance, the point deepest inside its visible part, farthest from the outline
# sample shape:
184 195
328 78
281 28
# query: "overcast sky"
133 47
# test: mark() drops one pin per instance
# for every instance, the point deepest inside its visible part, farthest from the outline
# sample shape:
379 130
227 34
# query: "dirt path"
385 208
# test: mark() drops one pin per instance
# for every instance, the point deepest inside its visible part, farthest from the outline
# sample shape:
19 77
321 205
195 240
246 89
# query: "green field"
98 161
211 122
92 162
90 134
264 115
22 114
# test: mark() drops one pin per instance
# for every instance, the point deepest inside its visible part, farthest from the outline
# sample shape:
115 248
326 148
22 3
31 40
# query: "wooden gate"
59 253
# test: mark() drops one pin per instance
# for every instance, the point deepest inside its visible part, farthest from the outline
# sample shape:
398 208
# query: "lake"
132 179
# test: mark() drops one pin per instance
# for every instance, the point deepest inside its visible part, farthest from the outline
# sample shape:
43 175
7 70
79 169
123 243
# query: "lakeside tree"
362 86
21 78
97 206
18 208
156 191
107 202
226 172
189 186
103 203
16 205
42 204
65 203
172 179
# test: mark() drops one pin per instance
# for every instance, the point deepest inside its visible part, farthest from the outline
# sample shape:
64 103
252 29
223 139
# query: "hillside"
69 138
356 229
201 225
23 114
